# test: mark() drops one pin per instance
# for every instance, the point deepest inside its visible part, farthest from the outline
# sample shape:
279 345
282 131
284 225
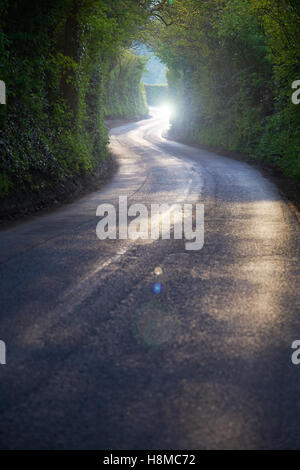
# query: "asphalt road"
96 360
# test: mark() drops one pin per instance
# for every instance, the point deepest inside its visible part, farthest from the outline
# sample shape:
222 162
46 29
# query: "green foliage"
67 66
125 93
231 67
156 94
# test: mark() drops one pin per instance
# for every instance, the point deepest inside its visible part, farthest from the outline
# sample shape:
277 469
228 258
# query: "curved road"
96 360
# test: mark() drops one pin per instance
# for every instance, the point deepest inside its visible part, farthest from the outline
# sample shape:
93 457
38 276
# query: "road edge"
287 187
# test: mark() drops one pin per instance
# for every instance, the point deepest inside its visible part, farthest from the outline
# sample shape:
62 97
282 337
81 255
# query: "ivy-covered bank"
231 65
66 65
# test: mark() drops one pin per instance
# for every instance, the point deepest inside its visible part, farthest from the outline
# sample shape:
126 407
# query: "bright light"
165 111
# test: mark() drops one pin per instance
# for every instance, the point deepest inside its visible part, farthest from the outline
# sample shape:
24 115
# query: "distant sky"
155 70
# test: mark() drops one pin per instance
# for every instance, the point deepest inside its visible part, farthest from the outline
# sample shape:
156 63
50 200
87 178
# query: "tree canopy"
68 63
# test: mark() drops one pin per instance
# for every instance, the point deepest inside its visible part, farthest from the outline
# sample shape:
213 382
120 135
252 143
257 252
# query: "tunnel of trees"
69 64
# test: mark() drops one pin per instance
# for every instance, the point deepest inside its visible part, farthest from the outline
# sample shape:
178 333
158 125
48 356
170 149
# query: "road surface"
96 360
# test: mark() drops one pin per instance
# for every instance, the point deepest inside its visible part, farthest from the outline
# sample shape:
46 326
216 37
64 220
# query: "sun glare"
165 111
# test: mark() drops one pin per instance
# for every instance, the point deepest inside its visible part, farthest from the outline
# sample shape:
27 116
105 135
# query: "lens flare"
157 288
